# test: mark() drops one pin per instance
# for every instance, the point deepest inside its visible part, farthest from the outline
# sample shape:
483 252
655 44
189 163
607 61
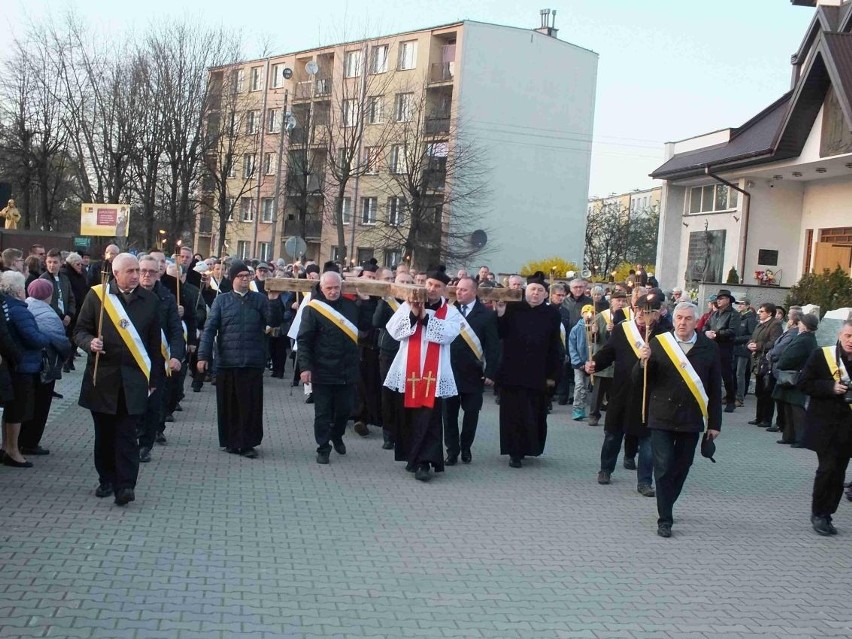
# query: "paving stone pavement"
221 546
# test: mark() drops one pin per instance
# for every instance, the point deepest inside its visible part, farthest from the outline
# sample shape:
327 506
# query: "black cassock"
531 356
239 402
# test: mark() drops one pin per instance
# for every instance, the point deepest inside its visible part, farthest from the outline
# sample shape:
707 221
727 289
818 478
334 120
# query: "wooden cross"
413 381
429 379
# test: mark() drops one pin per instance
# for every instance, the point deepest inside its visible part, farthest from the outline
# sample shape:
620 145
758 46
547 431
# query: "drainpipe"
746 208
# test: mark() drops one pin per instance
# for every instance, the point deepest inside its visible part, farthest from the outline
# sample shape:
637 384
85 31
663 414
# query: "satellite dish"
312 68
290 122
478 238
288 73
295 246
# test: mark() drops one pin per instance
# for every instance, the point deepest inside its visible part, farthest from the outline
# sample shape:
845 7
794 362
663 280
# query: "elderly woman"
25 332
73 269
58 351
598 297
791 401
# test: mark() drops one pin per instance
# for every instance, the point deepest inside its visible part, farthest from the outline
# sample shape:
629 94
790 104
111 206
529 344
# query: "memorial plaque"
767 257
705 258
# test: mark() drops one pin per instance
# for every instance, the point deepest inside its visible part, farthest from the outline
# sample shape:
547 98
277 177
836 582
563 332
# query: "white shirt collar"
692 340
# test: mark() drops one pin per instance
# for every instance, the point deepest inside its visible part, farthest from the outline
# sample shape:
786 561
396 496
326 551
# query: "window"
711 198
335 254
396 205
392 257
407 55
267 208
269 163
277 75
365 255
398 162
375 109
273 121
242 249
403 107
350 112
372 155
231 166
231 203
346 212
264 251
252 122
246 214
368 210
379 59
249 160
256 78
240 81
352 63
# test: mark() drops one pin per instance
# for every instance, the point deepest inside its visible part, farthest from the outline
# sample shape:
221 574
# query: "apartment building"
398 110
636 202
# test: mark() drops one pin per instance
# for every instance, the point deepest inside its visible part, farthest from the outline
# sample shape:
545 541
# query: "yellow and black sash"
687 372
835 365
335 317
391 301
634 337
469 336
129 335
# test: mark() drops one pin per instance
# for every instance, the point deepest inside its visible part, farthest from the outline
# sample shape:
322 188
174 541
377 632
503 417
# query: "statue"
12 215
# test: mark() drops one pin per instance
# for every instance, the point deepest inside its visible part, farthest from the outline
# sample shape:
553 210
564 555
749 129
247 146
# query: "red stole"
420 386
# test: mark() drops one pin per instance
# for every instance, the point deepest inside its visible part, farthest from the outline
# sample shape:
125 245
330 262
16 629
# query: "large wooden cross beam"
378 288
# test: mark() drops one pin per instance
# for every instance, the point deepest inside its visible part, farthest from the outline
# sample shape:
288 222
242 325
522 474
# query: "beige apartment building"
401 107
635 202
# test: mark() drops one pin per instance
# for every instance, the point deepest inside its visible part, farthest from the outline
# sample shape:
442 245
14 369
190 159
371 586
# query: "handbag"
787 379
49 367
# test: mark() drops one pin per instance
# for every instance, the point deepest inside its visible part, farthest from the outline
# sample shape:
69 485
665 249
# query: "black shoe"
831 527
562 401
629 463
773 429
515 462
466 457
422 473
322 458
361 428
37 450
753 422
310 399
124 496
821 525
169 418
103 490
730 408
604 477
664 530
66 369
57 395
409 467
72 367
249 453
387 446
179 408
339 447
8 461
161 439
645 490
145 454
196 387
797 445
452 459
783 441
764 425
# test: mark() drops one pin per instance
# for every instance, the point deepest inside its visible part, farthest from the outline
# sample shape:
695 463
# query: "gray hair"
330 275
687 306
597 289
795 315
517 278
577 280
557 288
122 259
13 283
73 258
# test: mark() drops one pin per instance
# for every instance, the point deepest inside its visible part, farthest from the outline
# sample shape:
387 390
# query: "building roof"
779 131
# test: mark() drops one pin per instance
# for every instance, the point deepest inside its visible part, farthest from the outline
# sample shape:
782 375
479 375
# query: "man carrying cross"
422 371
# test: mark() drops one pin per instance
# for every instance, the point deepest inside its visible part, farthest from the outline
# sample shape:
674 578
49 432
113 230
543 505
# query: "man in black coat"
62 301
328 359
678 410
474 358
722 328
129 367
95 268
828 429
624 411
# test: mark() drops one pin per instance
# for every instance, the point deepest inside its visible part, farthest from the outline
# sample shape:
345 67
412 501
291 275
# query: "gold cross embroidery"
413 381
429 379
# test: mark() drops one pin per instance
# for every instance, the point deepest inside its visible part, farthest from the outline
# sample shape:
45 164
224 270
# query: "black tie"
464 310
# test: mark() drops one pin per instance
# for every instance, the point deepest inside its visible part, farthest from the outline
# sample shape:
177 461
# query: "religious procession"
413 356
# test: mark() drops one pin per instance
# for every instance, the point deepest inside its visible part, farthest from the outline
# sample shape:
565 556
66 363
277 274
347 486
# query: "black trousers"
32 430
673 454
152 420
369 408
794 422
332 405
393 411
600 391
726 357
116 449
828 482
763 387
278 354
471 403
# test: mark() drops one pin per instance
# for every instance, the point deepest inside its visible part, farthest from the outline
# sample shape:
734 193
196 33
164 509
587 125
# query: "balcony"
300 184
442 72
312 228
205 224
316 88
437 125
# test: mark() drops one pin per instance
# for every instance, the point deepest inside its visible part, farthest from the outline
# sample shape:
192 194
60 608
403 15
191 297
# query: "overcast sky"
668 69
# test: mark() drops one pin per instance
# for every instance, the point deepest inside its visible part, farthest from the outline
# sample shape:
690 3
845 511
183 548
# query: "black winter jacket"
238 324
726 324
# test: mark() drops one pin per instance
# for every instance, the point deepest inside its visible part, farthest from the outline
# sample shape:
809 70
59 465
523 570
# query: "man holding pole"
119 326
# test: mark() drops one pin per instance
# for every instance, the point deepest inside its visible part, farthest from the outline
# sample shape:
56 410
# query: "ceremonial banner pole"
589 346
104 292
178 281
649 324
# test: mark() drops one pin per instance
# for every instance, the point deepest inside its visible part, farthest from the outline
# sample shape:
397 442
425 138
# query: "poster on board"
106 220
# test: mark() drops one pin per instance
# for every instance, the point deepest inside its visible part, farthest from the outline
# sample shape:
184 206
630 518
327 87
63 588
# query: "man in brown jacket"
762 340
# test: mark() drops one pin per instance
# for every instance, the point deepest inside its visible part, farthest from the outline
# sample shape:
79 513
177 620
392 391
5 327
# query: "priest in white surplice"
421 371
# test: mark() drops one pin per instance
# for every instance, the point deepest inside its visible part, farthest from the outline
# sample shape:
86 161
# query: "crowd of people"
413 363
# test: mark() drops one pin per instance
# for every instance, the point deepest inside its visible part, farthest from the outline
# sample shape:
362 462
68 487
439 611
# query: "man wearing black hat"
423 373
722 328
530 367
238 323
684 397
606 321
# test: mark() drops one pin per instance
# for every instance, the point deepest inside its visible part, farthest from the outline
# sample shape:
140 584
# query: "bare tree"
607 230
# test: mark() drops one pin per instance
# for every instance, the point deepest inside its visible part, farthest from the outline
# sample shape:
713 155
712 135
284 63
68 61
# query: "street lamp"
162 239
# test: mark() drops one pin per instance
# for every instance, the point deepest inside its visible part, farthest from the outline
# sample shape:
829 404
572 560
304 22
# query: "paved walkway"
220 546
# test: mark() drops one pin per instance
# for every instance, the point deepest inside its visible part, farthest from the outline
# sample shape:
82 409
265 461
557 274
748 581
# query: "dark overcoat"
828 419
467 368
794 358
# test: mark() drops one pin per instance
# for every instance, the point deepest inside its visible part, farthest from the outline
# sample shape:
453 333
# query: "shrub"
733 276
559 265
830 290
